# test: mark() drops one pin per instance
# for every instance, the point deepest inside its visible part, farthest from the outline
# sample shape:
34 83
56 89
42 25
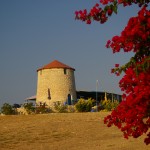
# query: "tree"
29 107
132 116
7 109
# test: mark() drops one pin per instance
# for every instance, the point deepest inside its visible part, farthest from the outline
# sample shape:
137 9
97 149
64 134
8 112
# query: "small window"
49 94
65 71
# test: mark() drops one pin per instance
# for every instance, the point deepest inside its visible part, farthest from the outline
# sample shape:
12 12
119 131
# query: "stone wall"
54 85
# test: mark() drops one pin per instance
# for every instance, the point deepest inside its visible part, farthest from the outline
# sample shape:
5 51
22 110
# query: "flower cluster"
135 36
101 14
97 13
132 116
125 2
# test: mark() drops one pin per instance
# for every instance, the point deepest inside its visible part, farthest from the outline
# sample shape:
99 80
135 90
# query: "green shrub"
29 108
115 104
81 105
60 107
89 104
84 105
71 108
7 109
42 110
108 105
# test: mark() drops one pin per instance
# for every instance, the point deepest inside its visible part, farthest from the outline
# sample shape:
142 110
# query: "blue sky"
36 32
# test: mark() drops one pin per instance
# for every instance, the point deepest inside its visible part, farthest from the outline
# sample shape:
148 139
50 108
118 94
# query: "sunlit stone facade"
55 81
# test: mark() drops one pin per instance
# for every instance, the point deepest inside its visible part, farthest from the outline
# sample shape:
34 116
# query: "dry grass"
66 131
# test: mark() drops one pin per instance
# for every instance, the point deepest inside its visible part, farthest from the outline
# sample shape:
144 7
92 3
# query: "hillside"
63 131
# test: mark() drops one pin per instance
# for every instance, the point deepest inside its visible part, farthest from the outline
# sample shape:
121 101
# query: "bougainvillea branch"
132 116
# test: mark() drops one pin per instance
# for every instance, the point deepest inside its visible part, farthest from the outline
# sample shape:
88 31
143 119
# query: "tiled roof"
55 64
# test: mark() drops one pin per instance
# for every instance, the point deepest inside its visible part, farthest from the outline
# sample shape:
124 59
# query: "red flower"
88 21
109 11
116 65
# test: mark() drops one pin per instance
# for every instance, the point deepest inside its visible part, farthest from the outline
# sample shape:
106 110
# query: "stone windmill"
56 82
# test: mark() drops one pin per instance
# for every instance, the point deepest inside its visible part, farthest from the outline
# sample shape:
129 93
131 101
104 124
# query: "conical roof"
55 64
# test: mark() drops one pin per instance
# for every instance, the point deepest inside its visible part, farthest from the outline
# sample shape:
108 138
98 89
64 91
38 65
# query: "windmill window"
49 94
65 71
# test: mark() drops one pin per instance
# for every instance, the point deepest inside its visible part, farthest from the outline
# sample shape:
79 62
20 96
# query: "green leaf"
115 8
106 8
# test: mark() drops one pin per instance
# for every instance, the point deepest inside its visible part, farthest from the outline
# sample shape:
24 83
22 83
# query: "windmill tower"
56 82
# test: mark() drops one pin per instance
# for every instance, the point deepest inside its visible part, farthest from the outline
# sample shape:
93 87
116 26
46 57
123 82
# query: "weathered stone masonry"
55 81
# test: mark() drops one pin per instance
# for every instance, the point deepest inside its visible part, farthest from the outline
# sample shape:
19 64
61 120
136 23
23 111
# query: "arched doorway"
69 99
